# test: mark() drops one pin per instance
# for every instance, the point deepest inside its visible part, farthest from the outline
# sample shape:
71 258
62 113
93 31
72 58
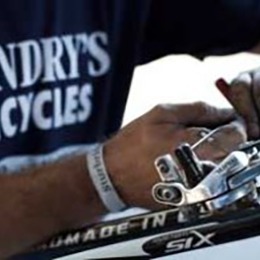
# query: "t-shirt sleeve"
200 28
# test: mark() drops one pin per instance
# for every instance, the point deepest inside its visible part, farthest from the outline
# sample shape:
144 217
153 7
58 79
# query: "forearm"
48 199
43 201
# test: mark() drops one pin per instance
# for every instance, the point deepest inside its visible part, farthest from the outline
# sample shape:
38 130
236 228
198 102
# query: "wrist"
117 171
102 181
132 172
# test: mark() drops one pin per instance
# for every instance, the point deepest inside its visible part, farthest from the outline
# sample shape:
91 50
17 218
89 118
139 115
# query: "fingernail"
223 87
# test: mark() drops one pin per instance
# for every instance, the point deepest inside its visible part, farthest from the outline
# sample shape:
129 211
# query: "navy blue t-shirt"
66 66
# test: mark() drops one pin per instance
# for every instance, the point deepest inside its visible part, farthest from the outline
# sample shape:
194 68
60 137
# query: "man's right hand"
130 155
244 95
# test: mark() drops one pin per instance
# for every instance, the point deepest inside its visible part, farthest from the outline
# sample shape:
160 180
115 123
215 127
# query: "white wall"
177 79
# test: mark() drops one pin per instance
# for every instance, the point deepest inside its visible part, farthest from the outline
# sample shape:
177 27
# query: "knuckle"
198 131
159 109
195 134
162 112
202 107
230 129
204 130
235 131
153 113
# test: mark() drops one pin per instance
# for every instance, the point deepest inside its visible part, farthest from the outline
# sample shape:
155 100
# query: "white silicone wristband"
101 180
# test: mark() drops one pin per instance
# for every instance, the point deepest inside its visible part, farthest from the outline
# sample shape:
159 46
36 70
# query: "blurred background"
178 79
182 78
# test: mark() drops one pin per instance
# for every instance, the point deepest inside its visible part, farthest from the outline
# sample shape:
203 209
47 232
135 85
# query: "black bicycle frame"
157 234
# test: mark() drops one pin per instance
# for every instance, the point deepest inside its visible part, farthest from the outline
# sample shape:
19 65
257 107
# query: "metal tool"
230 181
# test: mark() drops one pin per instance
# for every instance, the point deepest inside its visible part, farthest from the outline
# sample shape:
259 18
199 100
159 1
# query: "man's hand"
45 200
244 94
130 155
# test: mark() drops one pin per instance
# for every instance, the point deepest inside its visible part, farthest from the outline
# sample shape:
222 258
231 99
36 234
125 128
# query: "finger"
242 96
223 87
239 94
190 135
194 114
194 134
223 141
